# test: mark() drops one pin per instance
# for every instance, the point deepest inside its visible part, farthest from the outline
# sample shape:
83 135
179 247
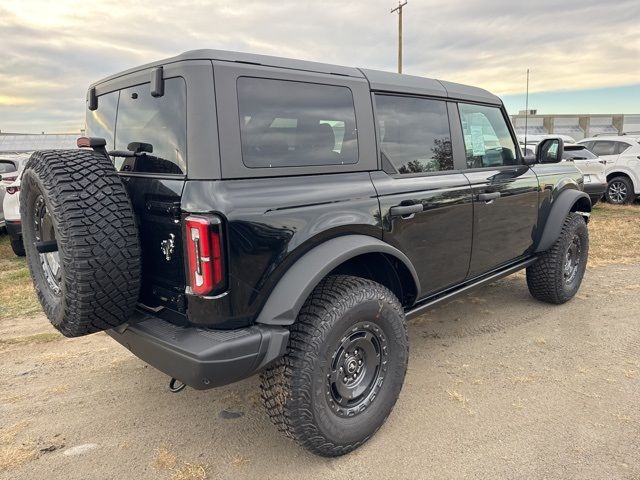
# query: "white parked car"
592 168
10 196
622 156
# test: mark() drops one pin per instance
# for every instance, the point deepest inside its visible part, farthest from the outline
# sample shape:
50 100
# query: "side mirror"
550 150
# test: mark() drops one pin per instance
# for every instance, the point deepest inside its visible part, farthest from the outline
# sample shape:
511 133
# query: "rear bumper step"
198 357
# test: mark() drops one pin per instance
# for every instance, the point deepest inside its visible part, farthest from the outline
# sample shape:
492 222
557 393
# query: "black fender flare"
560 208
295 286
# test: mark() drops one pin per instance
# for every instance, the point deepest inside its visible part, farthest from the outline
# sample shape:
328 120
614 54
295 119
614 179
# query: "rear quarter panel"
269 224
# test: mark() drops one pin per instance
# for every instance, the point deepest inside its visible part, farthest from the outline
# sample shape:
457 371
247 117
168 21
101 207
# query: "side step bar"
201 358
429 302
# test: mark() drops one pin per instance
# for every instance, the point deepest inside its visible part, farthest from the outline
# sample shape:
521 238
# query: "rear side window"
295 124
414 134
487 140
158 121
622 147
604 148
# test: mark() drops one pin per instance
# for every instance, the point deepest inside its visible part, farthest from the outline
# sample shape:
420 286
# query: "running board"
426 304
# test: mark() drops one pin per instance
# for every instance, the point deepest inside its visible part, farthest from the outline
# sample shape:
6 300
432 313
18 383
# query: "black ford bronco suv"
232 213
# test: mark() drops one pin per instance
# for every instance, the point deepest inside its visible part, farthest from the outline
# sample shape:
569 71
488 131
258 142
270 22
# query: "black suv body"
254 179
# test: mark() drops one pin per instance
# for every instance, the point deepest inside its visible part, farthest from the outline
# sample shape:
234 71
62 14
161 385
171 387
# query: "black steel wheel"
557 274
344 367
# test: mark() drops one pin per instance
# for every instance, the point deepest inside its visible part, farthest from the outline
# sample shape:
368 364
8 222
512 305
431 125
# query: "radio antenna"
526 112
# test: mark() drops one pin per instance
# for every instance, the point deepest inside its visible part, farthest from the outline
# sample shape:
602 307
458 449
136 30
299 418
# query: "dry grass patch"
30 339
190 471
167 461
614 234
164 459
13 454
17 296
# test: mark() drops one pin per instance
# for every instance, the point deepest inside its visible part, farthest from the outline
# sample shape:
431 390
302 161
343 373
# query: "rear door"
607 150
425 203
505 192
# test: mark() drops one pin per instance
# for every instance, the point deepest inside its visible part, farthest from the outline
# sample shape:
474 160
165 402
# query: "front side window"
158 121
487 140
414 134
295 124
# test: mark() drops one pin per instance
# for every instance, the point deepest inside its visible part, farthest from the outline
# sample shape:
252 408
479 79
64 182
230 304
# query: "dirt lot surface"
499 386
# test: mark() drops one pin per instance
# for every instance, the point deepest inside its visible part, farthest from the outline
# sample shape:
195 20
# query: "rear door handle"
488 197
403 210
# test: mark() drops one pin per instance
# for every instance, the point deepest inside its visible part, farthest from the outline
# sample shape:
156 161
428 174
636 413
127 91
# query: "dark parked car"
234 213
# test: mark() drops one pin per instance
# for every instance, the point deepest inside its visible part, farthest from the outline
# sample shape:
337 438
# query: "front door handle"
488 197
403 210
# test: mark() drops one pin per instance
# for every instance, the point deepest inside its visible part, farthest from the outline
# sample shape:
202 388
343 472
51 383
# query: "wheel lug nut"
345 379
359 362
354 375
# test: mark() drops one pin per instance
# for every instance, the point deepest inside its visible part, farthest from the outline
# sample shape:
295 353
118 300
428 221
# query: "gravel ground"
499 386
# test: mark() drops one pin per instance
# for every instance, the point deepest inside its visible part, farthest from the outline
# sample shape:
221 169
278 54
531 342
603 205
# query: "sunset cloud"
51 51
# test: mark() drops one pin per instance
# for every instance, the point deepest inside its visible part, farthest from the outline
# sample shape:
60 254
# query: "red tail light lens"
12 190
204 253
4 178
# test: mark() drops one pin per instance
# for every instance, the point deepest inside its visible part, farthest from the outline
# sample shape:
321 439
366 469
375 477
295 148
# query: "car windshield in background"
577 152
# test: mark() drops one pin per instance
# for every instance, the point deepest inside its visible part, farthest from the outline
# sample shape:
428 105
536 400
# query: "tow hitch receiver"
176 386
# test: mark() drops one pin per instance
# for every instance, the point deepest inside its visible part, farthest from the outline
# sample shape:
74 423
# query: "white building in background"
576 126
20 142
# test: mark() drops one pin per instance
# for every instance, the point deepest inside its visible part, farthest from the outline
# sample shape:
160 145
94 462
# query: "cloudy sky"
584 55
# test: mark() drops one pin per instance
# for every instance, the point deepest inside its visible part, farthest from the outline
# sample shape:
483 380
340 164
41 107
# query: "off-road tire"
294 390
621 181
90 213
547 279
18 247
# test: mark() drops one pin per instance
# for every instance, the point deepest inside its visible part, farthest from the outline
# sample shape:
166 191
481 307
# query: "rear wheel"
344 368
557 274
80 239
620 191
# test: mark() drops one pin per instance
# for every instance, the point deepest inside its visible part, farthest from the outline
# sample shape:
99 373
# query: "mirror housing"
550 150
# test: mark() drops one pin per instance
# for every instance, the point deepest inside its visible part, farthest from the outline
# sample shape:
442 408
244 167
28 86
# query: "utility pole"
399 10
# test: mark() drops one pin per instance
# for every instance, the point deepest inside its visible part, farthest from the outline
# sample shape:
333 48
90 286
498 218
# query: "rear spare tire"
81 240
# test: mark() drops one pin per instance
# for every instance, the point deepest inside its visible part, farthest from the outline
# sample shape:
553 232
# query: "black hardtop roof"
378 80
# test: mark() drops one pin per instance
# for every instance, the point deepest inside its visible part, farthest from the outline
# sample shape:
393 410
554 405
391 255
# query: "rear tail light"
4 178
12 190
204 254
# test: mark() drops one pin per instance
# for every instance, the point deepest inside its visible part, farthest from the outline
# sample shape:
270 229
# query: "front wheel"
557 274
344 367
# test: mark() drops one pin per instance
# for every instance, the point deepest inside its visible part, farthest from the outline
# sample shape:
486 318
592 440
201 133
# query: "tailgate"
157 206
